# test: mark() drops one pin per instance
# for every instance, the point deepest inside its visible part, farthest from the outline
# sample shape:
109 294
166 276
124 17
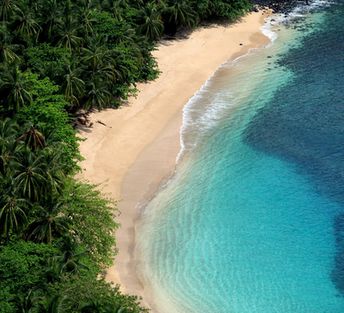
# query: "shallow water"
253 220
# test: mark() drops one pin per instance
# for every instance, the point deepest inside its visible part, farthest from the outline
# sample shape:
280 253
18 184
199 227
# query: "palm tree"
98 96
105 72
14 91
95 54
8 157
121 70
71 258
53 270
117 12
8 131
110 4
33 138
51 18
26 25
27 303
73 86
12 212
9 148
117 8
180 13
55 172
54 304
100 71
86 20
91 306
97 58
30 175
7 7
7 52
152 25
7 48
51 224
68 34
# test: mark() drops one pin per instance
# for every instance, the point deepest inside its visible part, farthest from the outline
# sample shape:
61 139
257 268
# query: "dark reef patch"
280 6
304 122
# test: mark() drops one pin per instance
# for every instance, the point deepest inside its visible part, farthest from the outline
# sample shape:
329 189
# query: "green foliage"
12 212
150 23
49 61
67 226
22 266
98 296
47 113
50 223
14 89
181 13
5 295
93 220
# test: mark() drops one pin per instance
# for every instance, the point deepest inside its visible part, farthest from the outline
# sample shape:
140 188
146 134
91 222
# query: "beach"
129 152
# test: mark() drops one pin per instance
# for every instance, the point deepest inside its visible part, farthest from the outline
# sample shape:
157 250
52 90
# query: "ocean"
253 219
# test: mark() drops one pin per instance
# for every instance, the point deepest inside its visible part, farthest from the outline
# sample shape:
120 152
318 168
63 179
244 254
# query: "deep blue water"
253 221
304 122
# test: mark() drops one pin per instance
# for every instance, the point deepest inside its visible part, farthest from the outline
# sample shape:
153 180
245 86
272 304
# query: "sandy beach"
134 149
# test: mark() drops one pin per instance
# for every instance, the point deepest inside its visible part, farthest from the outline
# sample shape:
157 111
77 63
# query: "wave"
200 114
205 108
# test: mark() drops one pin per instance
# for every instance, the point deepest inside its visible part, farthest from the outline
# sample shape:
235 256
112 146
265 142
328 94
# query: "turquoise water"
253 221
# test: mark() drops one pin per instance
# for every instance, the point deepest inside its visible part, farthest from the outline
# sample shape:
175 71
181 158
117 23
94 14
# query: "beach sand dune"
134 148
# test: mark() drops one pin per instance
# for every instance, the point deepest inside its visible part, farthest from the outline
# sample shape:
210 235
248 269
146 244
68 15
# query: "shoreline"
136 150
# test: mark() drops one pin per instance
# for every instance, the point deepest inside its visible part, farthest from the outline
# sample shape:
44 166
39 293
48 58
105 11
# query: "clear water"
253 220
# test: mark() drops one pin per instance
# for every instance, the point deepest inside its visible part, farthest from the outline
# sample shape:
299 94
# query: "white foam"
199 118
270 23
196 121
